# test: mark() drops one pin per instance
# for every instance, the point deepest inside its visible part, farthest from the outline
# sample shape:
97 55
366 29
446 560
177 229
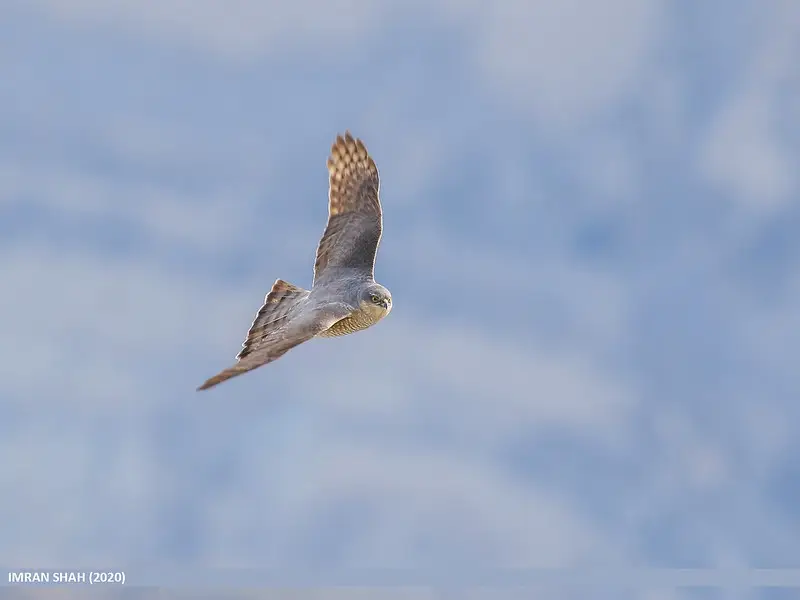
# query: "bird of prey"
344 297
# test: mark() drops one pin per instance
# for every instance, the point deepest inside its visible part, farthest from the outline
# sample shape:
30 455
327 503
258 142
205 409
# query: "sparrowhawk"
344 297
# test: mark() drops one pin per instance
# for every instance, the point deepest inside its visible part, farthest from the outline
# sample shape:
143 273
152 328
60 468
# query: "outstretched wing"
354 227
296 329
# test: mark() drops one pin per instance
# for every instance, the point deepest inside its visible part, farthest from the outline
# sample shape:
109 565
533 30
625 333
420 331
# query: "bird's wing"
354 227
296 329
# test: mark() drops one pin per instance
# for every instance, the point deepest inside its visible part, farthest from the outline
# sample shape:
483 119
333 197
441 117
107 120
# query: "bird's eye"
375 298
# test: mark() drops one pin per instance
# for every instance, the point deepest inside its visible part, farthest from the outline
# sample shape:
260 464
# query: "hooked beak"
386 303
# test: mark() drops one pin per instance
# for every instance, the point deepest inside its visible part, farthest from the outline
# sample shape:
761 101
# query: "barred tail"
281 299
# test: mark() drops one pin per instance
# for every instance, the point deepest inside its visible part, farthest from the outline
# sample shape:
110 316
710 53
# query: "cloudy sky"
591 215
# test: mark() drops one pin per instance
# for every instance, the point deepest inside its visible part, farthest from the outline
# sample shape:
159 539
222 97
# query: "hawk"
344 297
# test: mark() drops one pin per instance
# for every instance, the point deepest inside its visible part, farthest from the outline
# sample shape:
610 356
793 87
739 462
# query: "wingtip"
338 141
345 138
346 149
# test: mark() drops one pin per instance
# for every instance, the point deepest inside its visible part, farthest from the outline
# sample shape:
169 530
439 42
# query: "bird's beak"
386 304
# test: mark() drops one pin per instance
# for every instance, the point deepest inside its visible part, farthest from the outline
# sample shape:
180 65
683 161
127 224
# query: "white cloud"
417 505
562 63
132 306
749 152
744 155
595 304
608 165
237 29
69 191
489 390
74 197
111 339
89 322
99 345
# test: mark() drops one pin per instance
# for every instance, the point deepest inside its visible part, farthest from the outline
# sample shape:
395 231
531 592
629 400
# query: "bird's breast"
355 322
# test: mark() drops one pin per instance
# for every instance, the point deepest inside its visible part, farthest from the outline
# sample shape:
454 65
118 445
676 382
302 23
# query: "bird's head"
376 299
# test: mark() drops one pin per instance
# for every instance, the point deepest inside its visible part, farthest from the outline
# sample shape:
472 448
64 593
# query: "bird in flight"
344 297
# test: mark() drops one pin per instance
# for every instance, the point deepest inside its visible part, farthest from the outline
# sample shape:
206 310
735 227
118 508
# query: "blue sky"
590 236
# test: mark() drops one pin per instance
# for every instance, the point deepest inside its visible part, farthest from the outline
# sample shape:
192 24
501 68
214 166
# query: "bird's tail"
270 317
279 301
